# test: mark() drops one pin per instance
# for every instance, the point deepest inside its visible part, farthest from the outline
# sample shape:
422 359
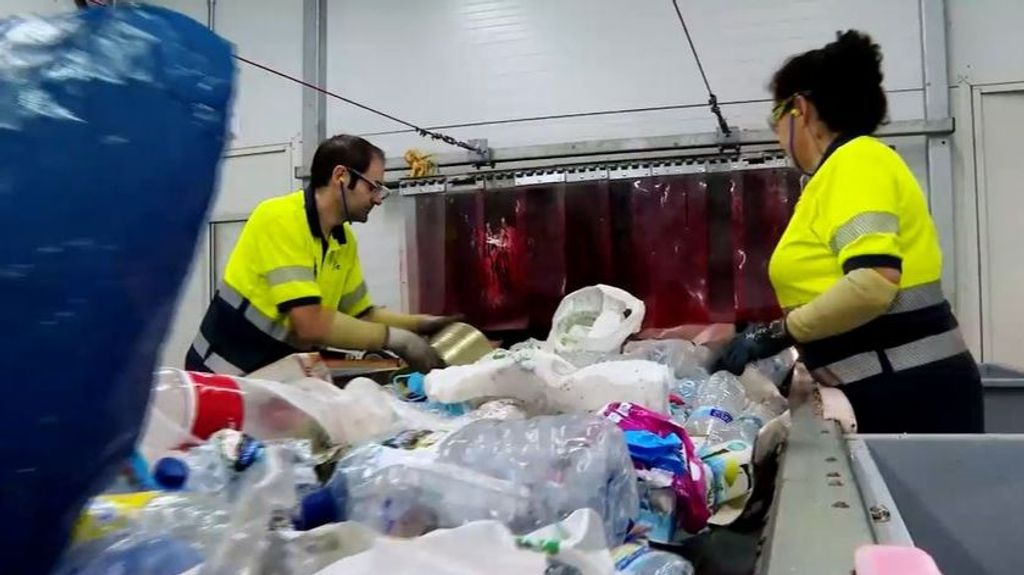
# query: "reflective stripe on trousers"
909 355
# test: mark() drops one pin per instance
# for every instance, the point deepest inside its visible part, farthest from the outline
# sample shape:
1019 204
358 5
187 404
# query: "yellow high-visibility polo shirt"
281 261
864 208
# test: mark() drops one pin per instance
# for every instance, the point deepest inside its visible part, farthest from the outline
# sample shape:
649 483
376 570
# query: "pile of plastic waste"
560 456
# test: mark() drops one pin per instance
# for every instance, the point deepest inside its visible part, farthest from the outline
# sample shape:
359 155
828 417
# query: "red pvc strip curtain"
694 247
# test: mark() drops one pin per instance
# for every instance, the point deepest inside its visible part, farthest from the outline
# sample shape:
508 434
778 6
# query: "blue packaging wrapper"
112 122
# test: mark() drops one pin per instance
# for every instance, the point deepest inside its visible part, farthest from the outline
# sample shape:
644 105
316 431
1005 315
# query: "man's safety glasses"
376 187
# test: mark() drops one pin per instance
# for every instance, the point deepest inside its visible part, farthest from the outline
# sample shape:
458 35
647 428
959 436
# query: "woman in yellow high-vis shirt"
858 267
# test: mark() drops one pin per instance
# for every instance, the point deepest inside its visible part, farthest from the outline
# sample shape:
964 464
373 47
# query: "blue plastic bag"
112 122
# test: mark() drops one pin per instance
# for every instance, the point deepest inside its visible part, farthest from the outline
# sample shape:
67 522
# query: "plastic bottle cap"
415 384
170 473
317 508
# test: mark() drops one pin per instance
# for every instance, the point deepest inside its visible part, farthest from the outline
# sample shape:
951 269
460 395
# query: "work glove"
431 324
413 349
754 343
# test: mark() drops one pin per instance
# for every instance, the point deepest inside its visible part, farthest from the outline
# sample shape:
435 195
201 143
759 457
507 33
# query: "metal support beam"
211 14
939 154
620 148
314 71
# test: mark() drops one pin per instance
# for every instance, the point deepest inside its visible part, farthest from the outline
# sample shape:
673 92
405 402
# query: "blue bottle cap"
415 384
170 473
316 509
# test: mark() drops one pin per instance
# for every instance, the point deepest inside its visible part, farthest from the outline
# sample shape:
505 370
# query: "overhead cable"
424 132
419 130
712 98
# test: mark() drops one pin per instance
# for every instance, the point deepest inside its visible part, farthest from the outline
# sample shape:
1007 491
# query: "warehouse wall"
986 52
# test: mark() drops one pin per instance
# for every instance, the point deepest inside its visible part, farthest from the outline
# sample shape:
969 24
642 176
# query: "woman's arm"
860 296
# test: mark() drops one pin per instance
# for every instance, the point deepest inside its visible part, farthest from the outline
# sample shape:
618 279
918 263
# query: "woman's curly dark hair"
843 80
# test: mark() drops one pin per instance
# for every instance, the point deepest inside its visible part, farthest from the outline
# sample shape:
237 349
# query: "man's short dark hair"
341 150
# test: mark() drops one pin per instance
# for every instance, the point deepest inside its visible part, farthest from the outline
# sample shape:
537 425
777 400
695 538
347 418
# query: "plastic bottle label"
219 404
713 412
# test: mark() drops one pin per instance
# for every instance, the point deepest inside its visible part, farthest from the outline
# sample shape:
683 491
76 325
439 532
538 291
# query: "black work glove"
413 349
754 343
431 324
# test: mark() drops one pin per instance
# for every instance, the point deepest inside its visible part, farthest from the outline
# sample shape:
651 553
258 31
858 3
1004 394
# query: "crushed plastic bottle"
130 553
654 562
219 465
403 494
567 462
188 407
200 519
683 393
745 427
778 366
719 403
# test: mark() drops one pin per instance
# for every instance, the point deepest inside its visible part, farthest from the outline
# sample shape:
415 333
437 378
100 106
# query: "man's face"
365 195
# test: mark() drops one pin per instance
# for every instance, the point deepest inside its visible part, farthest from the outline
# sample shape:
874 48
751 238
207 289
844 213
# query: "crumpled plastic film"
112 122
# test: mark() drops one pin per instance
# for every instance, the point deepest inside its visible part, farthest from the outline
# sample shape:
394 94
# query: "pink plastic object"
893 560
690 488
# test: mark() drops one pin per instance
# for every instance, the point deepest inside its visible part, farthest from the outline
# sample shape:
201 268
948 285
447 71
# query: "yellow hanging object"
420 164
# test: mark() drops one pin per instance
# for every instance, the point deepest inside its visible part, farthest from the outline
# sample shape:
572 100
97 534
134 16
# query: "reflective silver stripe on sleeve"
926 350
285 274
918 297
352 298
270 326
200 345
861 224
275 329
228 294
856 367
220 365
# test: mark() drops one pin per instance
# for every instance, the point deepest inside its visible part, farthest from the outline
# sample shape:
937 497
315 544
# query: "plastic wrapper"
566 462
689 477
113 123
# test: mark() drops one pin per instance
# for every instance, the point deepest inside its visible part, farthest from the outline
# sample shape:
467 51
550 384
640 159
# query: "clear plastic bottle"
653 562
719 402
201 519
745 428
405 495
188 407
567 462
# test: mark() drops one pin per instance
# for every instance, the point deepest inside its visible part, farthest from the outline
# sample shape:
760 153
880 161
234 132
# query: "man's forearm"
384 316
347 332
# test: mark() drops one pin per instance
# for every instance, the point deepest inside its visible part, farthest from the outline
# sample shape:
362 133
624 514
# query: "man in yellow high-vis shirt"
294 282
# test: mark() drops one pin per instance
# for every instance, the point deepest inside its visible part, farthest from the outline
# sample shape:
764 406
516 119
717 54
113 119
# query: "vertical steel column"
211 14
314 71
940 160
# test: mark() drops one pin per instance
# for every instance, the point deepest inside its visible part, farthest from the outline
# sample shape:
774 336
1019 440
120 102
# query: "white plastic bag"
482 546
596 318
547 384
